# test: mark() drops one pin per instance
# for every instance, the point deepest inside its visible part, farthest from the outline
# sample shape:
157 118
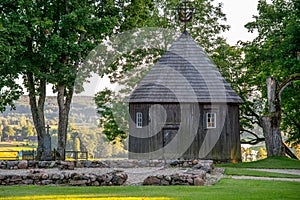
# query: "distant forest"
83 111
83 133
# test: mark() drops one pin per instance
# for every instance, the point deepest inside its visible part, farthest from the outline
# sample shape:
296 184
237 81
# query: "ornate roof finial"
185 12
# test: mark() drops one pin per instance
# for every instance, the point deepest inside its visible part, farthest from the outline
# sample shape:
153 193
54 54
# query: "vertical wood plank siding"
189 120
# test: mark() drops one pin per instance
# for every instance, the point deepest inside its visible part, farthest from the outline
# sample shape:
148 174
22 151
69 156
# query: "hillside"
83 110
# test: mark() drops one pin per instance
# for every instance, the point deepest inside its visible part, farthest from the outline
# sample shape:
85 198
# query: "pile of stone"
196 175
39 177
189 178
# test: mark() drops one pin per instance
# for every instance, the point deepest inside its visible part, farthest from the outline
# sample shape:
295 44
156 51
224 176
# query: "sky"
238 13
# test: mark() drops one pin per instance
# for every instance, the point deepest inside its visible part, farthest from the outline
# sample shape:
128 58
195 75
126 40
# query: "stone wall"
39 177
196 172
31 164
189 178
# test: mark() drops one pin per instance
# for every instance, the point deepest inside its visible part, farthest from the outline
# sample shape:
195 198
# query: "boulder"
46 182
164 182
78 182
195 162
27 181
44 176
198 166
151 180
16 178
190 181
198 182
23 164
66 165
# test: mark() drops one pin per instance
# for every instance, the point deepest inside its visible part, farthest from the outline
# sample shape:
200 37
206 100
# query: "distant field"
15 147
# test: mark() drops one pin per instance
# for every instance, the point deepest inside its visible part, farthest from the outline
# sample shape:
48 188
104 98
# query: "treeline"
90 139
13 126
83 111
83 132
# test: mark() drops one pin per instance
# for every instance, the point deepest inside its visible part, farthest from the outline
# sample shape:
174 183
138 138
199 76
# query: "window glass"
139 120
211 120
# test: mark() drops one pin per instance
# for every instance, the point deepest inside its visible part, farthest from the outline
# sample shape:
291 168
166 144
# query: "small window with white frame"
211 119
139 120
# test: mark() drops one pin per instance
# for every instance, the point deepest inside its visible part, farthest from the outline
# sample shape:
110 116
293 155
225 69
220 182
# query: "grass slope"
225 189
247 172
268 163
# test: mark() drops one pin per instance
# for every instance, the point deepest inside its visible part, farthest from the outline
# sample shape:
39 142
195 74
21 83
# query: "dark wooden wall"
172 131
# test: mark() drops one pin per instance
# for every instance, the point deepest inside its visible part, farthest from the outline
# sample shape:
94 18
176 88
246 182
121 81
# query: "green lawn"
225 189
247 172
268 163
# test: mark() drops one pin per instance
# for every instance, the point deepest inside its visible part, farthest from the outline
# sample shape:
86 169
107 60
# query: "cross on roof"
185 12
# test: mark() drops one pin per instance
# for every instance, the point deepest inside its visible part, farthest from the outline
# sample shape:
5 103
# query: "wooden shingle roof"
184 74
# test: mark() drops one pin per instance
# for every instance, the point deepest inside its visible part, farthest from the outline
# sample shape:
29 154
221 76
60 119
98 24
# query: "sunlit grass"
224 189
15 147
85 196
6 155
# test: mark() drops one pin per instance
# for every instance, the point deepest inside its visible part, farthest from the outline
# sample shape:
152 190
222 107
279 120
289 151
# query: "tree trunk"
271 122
64 102
37 111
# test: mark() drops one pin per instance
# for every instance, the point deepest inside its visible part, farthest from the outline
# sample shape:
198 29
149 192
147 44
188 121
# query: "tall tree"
7 131
274 53
49 41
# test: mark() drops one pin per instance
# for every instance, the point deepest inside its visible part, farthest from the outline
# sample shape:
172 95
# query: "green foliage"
76 144
139 13
48 41
274 53
105 104
7 131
